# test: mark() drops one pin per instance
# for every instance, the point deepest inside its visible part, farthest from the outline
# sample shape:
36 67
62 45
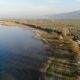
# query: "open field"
73 25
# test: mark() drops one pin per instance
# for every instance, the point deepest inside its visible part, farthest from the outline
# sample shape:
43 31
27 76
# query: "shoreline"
54 45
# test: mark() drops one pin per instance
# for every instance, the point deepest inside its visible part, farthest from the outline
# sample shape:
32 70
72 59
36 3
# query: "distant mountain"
69 15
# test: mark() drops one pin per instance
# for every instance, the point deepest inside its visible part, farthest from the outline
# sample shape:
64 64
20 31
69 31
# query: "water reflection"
20 54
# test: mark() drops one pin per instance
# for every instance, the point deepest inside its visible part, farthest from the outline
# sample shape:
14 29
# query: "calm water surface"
21 53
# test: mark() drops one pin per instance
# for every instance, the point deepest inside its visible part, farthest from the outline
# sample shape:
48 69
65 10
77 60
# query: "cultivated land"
63 38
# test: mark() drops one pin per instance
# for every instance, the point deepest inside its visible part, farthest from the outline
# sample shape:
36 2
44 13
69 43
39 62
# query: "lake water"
21 53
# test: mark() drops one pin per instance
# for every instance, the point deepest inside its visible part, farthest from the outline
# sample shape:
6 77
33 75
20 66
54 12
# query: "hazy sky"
30 8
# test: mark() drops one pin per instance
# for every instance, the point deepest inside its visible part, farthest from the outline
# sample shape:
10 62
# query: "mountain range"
68 15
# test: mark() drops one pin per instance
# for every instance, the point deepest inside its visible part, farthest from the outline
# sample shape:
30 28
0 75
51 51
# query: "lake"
21 53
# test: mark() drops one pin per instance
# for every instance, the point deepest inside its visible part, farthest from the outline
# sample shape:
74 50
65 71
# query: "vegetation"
73 25
65 50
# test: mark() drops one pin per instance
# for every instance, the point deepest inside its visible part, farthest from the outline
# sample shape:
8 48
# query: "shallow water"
21 53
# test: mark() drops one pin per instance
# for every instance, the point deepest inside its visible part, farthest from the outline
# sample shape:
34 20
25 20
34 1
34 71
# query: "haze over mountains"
68 15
